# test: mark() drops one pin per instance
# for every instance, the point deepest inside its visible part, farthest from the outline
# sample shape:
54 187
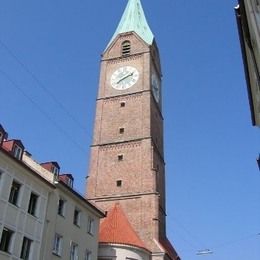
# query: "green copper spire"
133 19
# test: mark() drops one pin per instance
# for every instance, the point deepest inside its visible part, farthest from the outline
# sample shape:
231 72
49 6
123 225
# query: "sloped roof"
169 249
133 19
116 229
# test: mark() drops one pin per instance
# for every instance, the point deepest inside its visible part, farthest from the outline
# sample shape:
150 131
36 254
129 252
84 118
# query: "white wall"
17 218
121 252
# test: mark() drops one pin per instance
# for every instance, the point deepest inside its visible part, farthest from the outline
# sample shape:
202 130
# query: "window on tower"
118 183
122 104
126 48
120 157
121 130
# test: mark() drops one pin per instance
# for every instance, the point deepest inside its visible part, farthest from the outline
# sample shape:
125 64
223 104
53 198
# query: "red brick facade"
127 166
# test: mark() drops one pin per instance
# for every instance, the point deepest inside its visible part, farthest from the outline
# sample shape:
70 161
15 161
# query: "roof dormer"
67 179
15 147
52 167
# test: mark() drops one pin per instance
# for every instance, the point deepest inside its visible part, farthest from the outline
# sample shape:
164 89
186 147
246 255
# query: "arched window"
126 48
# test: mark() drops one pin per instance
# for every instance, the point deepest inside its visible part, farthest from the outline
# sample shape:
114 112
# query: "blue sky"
49 69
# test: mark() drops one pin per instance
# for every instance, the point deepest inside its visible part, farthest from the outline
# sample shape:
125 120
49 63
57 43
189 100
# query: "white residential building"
41 215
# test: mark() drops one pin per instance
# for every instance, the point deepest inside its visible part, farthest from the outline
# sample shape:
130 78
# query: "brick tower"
127 160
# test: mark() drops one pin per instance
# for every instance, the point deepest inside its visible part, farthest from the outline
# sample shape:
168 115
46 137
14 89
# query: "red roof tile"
116 228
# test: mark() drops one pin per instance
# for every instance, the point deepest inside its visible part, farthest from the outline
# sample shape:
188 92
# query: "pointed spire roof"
116 228
133 19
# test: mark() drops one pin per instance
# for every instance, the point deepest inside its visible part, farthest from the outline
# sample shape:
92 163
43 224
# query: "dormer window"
126 48
55 170
17 152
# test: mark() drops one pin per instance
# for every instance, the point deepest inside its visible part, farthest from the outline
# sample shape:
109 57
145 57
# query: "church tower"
127 168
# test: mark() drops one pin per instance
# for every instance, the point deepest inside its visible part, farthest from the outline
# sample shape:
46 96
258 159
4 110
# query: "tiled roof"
116 228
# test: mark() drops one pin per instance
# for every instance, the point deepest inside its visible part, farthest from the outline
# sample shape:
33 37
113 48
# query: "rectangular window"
57 245
90 227
120 157
1 137
121 130
88 255
14 192
32 204
122 104
6 240
119 183
74 251
25 253
61 207
17 152
76 217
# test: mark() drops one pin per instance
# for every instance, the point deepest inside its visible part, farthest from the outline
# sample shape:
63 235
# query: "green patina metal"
133 19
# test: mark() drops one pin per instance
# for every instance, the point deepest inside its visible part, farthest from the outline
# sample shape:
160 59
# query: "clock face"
124 78
156 87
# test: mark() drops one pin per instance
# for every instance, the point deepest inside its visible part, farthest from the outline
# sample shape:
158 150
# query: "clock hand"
124 77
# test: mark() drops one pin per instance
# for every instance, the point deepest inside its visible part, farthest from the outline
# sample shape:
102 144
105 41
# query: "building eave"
64 186
239 11
27 168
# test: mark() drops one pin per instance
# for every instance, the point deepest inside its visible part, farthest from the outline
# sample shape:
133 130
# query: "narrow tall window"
6 240
17 152
118 183
126 48
57 245
88 255
76 217
32 204
74 251
25 252
14 192
61 207
91 223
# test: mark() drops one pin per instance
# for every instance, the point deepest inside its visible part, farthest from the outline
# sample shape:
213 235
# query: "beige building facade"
41 215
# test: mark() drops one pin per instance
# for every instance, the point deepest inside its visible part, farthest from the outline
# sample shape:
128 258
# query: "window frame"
88 255
57 244
26 248
33 203
6 240
61 208
76 217
91 226
17 152
74 251
14 192
119 183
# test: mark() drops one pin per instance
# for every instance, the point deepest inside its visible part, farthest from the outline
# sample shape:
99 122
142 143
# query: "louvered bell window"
126 48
